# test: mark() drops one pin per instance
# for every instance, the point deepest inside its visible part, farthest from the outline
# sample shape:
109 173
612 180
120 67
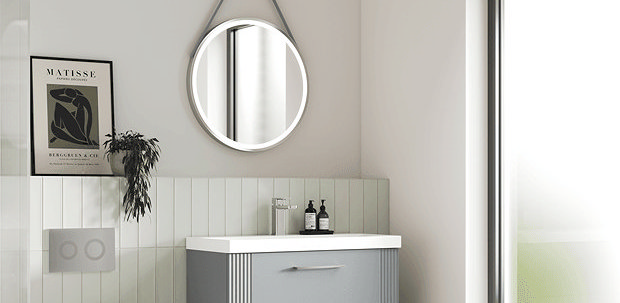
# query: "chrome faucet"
279 215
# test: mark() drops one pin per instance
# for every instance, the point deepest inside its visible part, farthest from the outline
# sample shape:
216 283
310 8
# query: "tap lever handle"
279 201
286 206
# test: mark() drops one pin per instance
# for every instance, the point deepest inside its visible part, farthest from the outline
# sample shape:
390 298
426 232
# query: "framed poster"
71 112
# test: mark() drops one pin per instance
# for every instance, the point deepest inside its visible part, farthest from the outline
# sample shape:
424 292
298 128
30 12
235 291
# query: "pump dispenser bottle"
323 217
310 217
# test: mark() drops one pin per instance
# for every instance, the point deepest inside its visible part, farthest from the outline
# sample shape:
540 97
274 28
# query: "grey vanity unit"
357 268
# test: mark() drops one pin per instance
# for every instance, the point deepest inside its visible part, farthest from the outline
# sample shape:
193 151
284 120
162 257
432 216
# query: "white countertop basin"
262 244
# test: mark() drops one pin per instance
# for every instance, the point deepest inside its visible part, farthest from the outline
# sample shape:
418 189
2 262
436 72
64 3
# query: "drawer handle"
317 267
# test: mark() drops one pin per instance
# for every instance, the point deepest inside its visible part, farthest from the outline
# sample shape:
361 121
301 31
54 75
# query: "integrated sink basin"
292 243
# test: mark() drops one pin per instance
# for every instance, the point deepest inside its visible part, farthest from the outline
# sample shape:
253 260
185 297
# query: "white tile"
91 202
129 225
72 202
1 251
52 206
180 283
217 207
383 215
165 212
356 206
91 287
265 194
110 206
72 287
52 283
110 284
10 186
370 206
158 274
298 197
164 288
312 191
129 275
36 219
36 276
282 188
341 199
182 210
52 202
147 228
233 206
249 206
327 188
200 207
10 288
147 260
122 190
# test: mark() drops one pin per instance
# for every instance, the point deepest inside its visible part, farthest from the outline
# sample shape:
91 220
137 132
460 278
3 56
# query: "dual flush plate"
81 250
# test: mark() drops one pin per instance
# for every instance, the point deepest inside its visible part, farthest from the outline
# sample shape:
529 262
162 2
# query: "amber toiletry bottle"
323 217
310 217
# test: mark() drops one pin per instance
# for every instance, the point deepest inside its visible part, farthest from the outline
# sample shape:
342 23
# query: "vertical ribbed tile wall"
389 276
150 264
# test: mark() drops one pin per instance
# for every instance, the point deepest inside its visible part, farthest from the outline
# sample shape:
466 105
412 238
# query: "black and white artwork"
71 113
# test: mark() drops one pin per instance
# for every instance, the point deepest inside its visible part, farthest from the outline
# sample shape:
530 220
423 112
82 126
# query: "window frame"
495 230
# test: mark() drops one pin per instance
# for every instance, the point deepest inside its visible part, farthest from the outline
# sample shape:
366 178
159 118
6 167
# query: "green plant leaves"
141 157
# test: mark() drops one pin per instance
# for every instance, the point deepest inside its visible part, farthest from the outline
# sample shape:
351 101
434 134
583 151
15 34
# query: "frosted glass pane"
561 149
14 138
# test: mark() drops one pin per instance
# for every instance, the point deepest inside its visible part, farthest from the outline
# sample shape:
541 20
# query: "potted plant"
138 157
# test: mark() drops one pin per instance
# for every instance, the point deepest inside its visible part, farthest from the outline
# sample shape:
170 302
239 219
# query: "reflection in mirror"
248 84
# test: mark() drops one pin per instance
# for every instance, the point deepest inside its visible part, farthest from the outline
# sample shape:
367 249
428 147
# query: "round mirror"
248 85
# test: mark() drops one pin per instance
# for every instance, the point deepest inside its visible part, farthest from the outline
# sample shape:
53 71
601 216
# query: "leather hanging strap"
217 8
288 30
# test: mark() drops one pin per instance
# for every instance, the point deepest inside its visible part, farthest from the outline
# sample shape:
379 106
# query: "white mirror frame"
193 87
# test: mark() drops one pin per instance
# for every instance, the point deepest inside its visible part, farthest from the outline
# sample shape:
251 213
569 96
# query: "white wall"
150 43
476 239
423 118
151 254
415 94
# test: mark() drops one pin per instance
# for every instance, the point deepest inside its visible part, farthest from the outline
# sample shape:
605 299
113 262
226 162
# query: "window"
555 187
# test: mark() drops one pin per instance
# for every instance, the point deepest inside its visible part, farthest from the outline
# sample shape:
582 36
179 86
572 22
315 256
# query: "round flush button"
68 250
94 249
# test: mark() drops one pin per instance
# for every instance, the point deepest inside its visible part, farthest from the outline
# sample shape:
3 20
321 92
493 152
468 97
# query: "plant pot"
116 162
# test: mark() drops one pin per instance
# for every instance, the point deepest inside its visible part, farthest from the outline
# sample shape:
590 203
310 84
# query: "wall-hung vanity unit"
360 268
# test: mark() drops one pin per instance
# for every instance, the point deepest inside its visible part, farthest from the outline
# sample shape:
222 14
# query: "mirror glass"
248 84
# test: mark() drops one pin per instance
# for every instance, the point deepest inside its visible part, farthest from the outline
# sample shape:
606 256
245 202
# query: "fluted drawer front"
360 276
310 277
